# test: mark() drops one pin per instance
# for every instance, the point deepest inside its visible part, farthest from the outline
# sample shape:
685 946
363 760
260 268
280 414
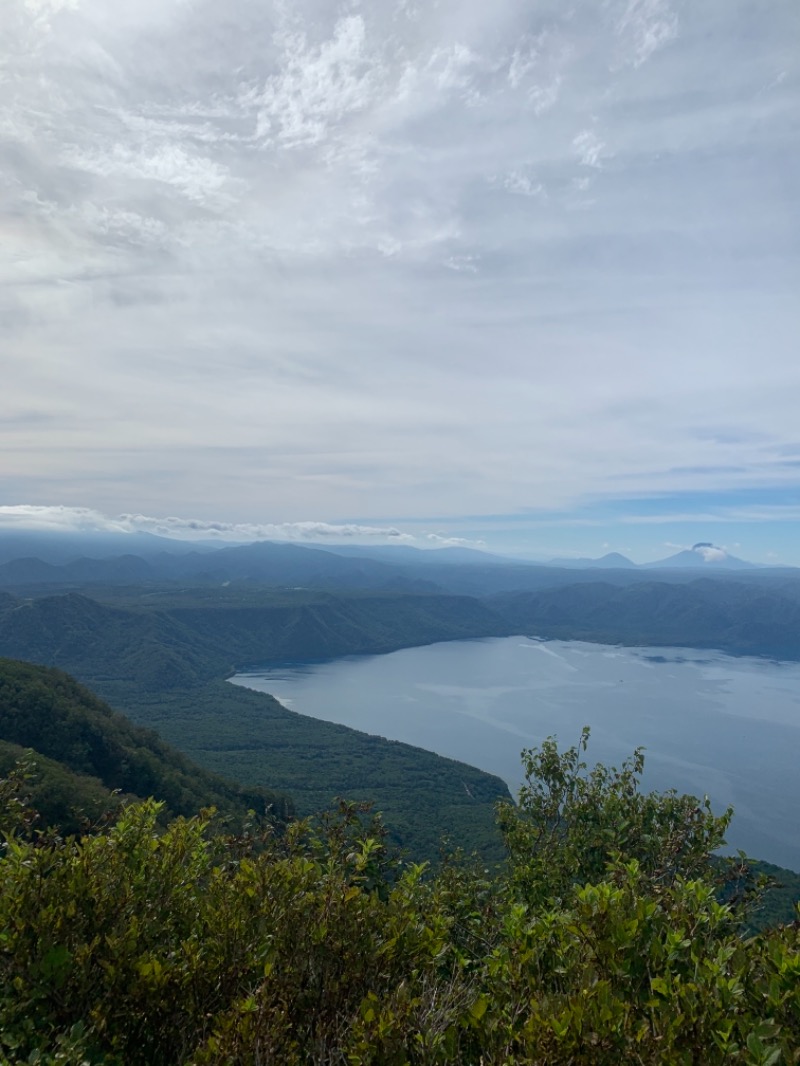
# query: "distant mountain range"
703 555
612 561
41 559
263 562
76 563
64 547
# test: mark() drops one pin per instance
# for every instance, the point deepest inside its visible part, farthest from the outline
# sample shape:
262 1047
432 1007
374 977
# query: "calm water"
710 723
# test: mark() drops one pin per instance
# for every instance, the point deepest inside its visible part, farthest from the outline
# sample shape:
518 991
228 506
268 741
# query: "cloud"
591 150
84 520
396 261
57 519
437 540
63 519
185 528
645 26
744 513
710 554
317 87
461 263
517 181
199 179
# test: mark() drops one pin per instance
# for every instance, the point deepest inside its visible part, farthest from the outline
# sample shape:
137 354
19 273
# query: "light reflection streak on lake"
710 723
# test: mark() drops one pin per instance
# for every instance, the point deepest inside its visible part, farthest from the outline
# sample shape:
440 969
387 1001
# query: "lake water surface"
728 727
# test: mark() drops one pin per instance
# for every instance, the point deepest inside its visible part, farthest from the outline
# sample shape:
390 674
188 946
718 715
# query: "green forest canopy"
85 751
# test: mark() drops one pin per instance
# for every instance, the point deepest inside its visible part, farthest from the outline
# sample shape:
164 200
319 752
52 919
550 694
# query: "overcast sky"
519 273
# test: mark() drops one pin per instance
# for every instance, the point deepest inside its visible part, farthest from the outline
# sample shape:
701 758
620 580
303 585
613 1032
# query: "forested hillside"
174 638
159 657
250 737
84 751
166 636
739 617
96 641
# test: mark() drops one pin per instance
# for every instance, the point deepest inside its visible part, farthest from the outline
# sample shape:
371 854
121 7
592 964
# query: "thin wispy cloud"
589 148
395 261
644 26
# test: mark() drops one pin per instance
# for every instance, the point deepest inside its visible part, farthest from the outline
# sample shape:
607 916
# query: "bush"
605 941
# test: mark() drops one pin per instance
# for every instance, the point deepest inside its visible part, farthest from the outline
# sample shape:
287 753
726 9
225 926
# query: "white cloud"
453 67
538 66
522 184
543 97
200 179
462 263
710 554
114 224
197 529
591 150
56 519
63 519
84 520
439 541
646 26
317 87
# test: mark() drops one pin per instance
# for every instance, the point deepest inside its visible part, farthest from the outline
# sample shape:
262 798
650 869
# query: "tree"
572 823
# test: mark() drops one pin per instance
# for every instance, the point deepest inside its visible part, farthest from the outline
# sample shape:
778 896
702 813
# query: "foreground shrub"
604 941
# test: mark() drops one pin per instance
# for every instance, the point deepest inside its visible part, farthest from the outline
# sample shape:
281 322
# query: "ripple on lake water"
729 727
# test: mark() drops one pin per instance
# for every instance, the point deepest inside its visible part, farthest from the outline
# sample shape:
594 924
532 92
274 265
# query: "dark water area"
711 724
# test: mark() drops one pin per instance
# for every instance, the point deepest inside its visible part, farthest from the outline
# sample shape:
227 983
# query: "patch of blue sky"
760 524
722 504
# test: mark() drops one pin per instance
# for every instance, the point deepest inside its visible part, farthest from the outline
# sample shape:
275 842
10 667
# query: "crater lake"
710 723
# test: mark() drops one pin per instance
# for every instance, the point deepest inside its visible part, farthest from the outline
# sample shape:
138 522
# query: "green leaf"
478 1008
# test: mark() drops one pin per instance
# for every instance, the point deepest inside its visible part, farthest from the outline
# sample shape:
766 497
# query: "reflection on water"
710 723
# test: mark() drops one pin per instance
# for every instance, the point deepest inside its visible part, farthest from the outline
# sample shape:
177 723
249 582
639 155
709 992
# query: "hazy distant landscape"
157 633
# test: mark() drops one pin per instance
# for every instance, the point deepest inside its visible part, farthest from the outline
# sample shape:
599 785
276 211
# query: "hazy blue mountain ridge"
399 567
740 618
611 561
702 556
60 547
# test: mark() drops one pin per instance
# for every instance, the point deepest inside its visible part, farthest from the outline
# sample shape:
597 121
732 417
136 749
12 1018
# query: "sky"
524 276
